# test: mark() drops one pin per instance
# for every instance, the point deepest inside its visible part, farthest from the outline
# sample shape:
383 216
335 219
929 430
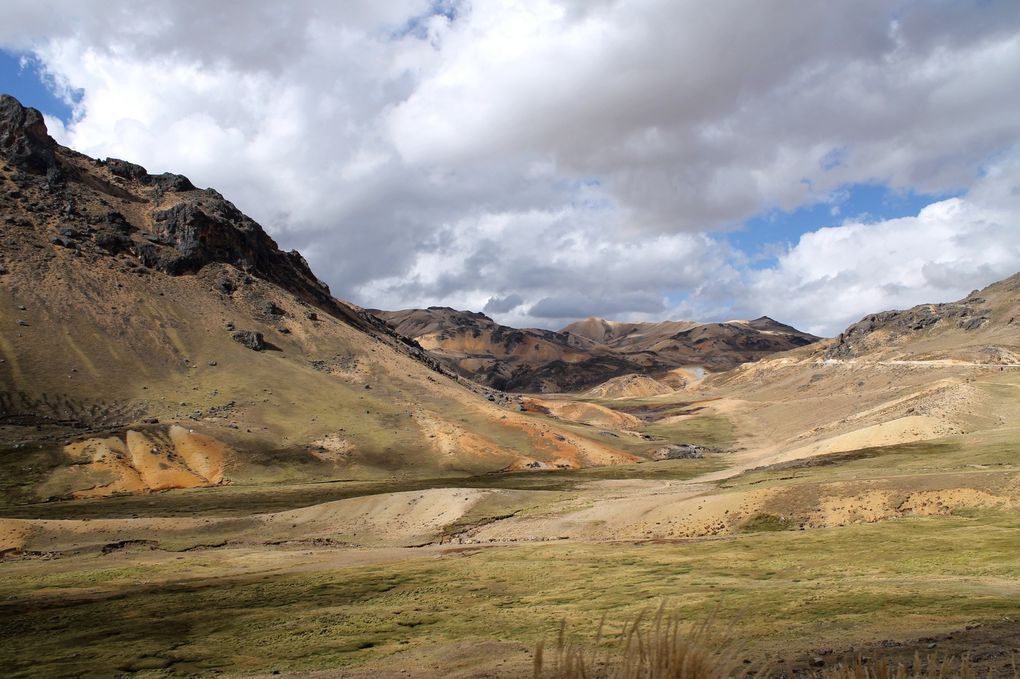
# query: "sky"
548 160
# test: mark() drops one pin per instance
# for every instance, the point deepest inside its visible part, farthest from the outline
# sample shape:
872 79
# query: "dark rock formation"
537 360
967 315
270 309
249 338
200 227
23 137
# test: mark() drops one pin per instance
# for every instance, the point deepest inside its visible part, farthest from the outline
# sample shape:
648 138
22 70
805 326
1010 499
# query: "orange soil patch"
451 441
563 449
105 458
108 466
202 454
156 466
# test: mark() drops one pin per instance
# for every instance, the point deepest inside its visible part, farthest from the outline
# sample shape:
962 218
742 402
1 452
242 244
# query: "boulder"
269 308
249 338
126 170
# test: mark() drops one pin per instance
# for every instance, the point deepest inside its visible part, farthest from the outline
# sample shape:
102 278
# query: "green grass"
767 522
997 451
23 470
194 612
714 431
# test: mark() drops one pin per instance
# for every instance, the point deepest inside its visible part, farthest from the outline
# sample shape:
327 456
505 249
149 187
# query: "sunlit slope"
130 302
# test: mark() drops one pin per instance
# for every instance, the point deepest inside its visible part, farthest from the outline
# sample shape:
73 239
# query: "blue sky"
26 82
761 235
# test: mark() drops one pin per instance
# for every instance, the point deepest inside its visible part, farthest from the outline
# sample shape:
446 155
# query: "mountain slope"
932 372
506 358
131 302
984 327
714 346
619 333
586 353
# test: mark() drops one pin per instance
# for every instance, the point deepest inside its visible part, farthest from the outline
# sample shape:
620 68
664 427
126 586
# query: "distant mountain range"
589 352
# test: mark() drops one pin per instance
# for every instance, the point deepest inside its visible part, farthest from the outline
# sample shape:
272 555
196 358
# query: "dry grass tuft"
663 647
660 647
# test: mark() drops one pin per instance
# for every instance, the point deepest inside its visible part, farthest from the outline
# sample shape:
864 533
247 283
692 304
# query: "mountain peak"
113 208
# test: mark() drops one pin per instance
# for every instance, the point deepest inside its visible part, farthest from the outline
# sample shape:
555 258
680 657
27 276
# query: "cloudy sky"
548 160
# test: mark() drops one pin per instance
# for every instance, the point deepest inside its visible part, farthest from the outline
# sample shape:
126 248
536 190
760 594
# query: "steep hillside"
587 353
131 303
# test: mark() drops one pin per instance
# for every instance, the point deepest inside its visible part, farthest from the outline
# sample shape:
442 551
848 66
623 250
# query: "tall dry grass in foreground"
663 647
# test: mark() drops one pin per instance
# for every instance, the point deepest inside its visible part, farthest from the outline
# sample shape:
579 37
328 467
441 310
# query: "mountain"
713 346
586 353
895 377
984 327
616 333
529 360
152 336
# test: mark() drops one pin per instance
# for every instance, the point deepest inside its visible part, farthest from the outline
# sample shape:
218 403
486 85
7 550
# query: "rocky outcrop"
171 226
249 338
890 326
24 141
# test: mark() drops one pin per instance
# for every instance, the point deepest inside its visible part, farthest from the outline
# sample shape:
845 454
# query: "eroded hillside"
133 303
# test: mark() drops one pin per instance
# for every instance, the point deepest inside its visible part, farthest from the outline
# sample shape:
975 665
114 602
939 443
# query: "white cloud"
556 266
836 275
577 155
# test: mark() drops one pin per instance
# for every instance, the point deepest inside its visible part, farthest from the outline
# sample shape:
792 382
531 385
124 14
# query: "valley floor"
881 547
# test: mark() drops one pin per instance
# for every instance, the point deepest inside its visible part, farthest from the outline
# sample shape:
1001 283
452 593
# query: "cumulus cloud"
502 305
836 275
568 158
701 114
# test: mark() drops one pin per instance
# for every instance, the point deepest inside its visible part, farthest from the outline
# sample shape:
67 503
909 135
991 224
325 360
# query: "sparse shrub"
767 522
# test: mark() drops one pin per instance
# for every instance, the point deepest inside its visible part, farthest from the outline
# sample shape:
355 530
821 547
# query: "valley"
210 465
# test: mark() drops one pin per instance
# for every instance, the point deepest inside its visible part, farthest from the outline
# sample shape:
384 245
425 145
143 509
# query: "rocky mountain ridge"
984 327
170 225
587 353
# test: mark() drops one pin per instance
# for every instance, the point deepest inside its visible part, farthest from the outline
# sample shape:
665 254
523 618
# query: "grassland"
288 610
997 451
588 544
